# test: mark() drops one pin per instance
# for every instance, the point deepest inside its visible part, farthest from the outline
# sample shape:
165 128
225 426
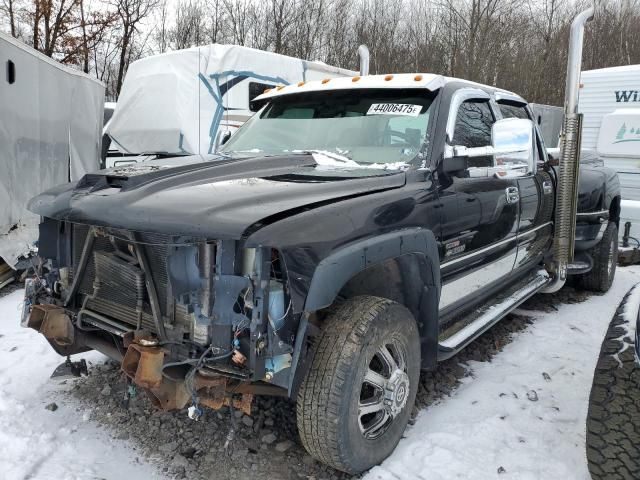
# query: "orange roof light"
326 80
300 84
267 90
388 77
280 87
355 79
417 78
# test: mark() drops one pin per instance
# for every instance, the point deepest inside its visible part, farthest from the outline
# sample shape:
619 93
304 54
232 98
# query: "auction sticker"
406 109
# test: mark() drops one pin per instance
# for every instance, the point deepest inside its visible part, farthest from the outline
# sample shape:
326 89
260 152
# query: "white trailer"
181 102
610 102
50 133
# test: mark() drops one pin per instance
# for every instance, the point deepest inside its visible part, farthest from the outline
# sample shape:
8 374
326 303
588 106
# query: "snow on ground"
40 444
522 415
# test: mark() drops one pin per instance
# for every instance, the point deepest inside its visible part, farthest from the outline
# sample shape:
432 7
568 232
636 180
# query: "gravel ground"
265 443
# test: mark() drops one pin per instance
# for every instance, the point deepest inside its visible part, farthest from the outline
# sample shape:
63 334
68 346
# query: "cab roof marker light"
388 77
280 87
300 84
356 78
417 78
326 80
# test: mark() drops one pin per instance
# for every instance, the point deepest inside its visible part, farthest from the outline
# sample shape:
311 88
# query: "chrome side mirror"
512 149
513 143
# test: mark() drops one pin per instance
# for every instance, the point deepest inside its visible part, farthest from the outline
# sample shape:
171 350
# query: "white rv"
610 102
50 133
181 102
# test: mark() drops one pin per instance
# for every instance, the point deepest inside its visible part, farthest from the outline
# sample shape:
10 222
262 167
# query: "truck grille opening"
114 286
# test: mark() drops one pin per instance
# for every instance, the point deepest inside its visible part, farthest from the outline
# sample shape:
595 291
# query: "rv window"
256 89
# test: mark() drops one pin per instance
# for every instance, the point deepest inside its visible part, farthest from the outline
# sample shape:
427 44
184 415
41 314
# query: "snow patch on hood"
389 166
332 159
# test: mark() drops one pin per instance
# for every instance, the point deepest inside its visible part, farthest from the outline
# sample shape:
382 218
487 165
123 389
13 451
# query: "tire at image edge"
613 419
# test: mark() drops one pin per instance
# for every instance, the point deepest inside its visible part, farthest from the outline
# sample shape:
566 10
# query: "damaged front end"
192 320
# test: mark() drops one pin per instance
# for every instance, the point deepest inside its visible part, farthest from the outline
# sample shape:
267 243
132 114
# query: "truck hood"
211 197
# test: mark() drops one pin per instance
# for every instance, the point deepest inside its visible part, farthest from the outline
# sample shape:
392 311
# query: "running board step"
488 315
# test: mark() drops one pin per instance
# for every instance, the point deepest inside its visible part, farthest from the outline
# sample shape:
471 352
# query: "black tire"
613 421
605 259
331 425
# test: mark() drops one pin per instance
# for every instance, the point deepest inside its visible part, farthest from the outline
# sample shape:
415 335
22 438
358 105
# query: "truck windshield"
353 126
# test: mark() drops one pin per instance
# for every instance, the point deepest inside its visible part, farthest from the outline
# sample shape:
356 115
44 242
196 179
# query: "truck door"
480 212
535 225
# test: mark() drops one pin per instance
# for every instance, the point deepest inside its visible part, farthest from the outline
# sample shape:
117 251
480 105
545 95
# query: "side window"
256 89
473 129
513 111
519 111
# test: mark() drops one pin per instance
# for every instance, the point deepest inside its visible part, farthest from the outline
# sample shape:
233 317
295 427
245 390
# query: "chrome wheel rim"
384 391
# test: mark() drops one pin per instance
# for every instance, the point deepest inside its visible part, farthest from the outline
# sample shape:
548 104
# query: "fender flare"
333 272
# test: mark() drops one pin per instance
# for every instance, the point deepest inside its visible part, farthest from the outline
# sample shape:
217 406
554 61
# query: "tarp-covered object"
175 102
50 133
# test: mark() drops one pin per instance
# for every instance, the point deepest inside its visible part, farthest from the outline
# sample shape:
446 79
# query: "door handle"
512 194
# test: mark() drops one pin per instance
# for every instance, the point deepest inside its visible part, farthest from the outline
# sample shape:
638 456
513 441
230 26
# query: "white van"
610 102
182 102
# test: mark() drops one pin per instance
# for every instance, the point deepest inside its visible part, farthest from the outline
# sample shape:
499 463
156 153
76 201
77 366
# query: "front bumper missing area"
144 365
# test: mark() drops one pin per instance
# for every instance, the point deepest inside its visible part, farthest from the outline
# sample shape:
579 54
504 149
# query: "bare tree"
162 31
520 45
189 28
9 7
238 14
131 14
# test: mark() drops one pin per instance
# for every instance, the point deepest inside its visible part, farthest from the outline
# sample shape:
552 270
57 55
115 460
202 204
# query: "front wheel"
356 400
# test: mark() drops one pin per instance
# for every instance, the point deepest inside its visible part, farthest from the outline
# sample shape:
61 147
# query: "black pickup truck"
353 232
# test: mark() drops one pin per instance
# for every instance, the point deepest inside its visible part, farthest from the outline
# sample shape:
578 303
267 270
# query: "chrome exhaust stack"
569 169
363 53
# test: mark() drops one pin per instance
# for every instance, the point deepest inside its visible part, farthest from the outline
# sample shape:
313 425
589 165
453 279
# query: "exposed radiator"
116 288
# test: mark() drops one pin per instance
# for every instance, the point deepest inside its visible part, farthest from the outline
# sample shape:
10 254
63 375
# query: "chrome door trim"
535 229
476 280
586 214
492 246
